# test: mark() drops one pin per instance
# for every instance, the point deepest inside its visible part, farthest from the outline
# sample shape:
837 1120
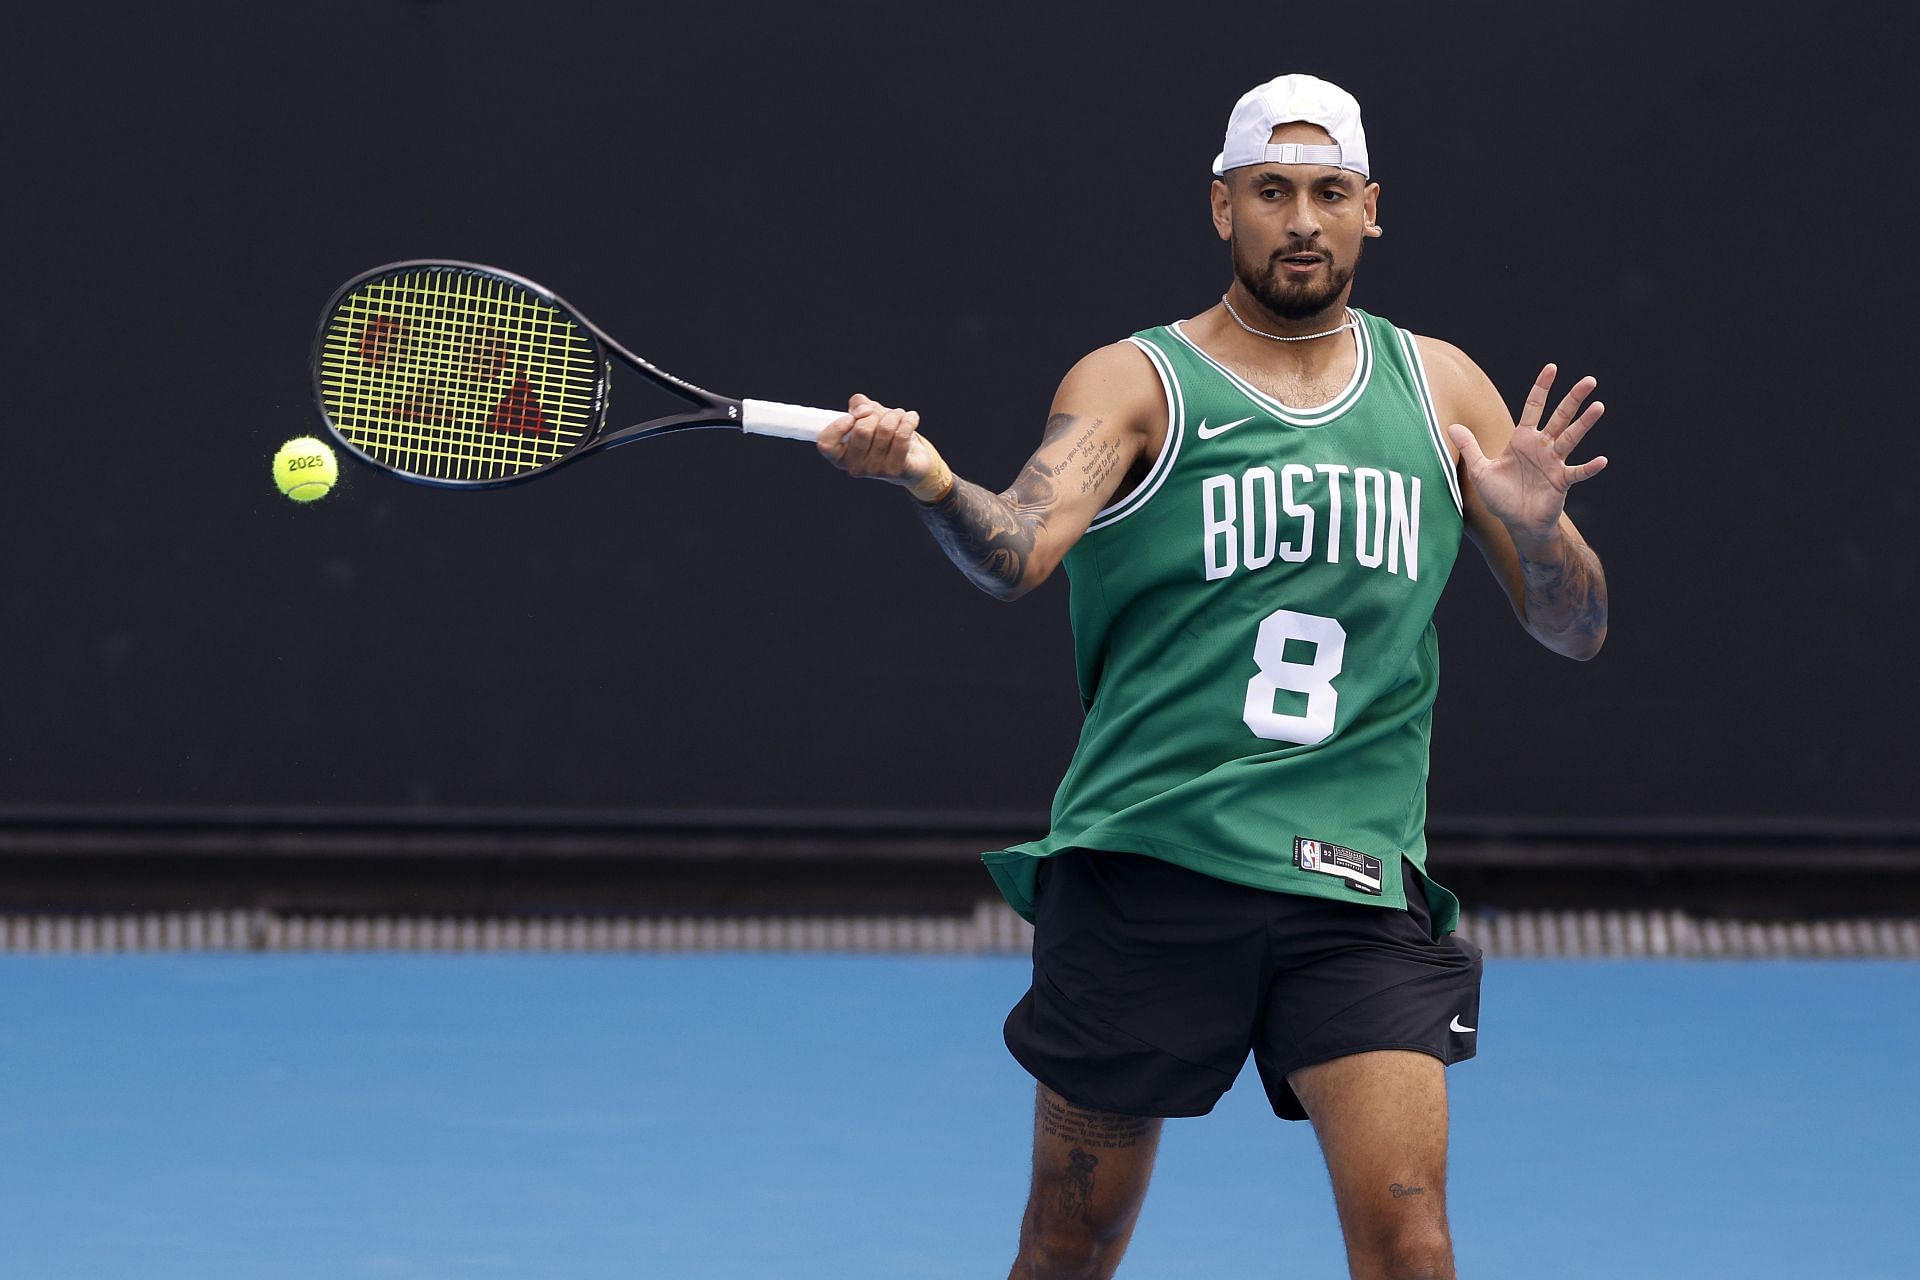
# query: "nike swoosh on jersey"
1455 1025
1207 433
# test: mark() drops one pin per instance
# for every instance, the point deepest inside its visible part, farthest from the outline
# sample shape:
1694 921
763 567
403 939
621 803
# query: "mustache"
1299 247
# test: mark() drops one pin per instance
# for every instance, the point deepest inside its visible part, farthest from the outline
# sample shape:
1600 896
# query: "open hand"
1526 487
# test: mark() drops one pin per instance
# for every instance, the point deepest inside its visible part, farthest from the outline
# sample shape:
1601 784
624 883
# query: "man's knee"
1064 1253
1064 1238
1406 1248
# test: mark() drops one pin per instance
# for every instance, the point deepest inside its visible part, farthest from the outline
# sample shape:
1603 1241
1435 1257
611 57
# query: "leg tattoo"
1076 1189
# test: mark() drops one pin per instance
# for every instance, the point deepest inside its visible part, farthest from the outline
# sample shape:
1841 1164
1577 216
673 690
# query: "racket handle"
788 421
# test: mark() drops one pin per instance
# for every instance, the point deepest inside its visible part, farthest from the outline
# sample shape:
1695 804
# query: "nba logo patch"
1361 871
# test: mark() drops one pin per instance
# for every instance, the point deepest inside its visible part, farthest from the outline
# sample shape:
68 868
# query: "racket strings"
457 375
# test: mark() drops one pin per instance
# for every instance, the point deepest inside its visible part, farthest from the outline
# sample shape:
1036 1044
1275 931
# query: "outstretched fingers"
1569 407
1537 398
1568 437
1572 418
1587 470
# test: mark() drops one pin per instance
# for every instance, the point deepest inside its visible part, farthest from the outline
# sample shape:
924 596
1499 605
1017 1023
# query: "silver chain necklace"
1281 337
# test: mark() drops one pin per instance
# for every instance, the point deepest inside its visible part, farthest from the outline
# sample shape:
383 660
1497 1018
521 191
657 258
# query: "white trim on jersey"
1319 415
1411 350
1121 508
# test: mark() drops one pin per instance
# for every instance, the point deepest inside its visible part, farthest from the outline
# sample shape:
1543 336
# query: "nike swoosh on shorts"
1455 1025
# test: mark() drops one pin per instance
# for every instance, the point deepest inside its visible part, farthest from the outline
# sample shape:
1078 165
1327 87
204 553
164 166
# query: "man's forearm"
988 535
1566 595
1000 540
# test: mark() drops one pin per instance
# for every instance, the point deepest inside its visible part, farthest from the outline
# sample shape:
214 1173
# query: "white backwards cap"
1283 100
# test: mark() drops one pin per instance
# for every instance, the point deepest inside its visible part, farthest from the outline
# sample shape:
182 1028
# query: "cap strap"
1300 153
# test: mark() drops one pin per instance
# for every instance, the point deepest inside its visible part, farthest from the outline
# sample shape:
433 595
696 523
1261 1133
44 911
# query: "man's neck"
1266 347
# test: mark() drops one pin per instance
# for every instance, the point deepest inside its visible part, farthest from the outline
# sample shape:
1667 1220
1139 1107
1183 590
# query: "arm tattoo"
982 533
991 536
1099 466
1567 597
1057 425
1400 1192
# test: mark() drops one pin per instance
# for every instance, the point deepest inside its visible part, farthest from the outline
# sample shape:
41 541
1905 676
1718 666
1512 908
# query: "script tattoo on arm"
991 536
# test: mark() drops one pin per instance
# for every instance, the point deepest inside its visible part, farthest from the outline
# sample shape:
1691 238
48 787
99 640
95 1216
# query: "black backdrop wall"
944 207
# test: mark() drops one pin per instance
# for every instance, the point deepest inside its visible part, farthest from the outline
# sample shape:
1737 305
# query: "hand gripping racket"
466 377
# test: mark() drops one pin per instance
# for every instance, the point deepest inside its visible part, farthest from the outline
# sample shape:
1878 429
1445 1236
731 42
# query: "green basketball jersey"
1253 634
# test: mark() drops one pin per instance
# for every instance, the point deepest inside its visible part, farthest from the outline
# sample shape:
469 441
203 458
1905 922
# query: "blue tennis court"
808 1115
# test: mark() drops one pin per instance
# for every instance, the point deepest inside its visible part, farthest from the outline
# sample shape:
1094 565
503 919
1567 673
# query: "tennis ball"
305 469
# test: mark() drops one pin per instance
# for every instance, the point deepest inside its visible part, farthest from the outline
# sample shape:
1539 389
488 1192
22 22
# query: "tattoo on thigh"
1076 1189
1399 1191
1099 1129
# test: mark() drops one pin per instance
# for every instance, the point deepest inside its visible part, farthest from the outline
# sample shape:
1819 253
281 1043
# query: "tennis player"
1257 507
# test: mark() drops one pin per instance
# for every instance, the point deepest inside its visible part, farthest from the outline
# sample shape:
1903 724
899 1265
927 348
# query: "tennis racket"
466 377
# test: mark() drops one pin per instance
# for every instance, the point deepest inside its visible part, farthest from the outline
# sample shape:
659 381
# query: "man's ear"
1221 196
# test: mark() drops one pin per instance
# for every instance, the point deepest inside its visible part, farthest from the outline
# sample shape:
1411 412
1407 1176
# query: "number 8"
1315 678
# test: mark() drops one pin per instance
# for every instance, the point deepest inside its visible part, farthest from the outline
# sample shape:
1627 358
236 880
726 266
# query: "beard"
1288 298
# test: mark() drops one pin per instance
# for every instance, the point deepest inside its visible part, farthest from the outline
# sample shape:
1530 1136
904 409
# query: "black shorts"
1151 982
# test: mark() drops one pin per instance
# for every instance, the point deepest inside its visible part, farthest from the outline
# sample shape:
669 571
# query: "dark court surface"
717 1116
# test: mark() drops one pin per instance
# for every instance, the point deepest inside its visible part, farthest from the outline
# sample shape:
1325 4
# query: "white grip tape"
788 421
